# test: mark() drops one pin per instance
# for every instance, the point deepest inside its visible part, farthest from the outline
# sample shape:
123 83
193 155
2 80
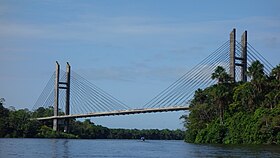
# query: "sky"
131 49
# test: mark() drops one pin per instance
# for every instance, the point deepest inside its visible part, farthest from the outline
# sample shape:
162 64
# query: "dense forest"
237 112
19 124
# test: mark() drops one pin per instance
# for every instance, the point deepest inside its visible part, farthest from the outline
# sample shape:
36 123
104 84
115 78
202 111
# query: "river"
68 148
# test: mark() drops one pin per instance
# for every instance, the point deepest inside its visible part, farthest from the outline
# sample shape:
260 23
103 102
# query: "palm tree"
220 74
256 70
276 72
220 92
220 96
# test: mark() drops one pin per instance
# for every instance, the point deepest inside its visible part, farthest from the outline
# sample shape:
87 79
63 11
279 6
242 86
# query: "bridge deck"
119 112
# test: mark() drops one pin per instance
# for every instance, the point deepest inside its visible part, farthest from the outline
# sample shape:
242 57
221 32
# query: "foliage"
220 74
276 72
237 113
19 124
47 132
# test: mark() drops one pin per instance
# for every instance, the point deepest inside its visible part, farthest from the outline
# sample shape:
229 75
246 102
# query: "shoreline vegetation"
18 124
236 112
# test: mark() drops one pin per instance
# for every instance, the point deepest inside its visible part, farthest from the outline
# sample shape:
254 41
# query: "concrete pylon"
244 57
233 58
61 85
56 97
232 54
67 99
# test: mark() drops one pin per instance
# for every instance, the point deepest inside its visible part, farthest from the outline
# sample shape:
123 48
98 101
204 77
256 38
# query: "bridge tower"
57 86
238 61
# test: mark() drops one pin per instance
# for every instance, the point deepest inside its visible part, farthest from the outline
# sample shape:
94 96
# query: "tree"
272 98
220 74
256 70
220 97
2 100
220 91
244 97
244 112
276 72
4 115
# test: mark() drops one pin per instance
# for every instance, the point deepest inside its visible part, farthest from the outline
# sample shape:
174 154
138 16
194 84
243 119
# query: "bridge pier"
56 97
244 56
234 58
61 85
232 54
67 100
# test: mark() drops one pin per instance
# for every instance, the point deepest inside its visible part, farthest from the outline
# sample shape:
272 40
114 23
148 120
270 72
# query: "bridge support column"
232 55
233 58
67 100
61 85
244 57
56 97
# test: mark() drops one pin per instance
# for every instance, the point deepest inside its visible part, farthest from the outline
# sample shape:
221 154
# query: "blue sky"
131 49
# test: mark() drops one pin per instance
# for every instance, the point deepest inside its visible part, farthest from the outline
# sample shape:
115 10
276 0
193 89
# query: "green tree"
220 92
4 116
256 70
220 97
244 97
245 113
276 72
221 75
2 101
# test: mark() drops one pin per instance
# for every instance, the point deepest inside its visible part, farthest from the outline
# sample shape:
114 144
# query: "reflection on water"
54 147
59 147
68 148
65 147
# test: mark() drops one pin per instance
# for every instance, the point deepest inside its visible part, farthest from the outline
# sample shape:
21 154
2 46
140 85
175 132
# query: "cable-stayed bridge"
84 99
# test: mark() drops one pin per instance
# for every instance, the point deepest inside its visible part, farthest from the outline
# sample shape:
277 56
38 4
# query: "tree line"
19 124
237 112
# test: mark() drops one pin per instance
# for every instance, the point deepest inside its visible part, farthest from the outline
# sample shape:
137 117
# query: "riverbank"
237 112
18 124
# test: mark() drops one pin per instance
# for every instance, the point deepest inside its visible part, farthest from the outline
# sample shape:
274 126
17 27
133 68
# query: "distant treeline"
237 112
18 124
